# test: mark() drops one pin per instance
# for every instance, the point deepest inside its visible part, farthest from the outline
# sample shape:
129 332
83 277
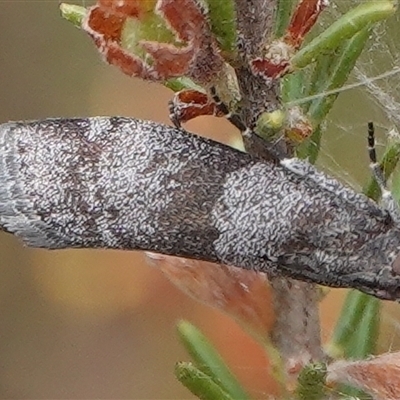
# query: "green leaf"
199 383
395 186
389 162
348 321
344 28
364 341
208 361
73 13
223 23
150 27
283 13
336 76
357 330
182 83
330 72
294 86
311 382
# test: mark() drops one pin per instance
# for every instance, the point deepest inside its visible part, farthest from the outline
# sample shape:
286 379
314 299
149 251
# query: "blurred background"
101 324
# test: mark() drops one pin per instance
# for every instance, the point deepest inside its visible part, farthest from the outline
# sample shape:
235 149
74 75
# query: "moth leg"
388 202
174 114
233 118
269 152
189 104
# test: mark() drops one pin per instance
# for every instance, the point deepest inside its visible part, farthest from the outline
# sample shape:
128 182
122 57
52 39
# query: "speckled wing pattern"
122 183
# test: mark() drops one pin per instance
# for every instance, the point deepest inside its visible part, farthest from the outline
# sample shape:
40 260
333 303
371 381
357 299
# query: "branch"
296 332
255 26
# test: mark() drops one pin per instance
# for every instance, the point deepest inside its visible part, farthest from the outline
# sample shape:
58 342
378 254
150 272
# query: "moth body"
122 183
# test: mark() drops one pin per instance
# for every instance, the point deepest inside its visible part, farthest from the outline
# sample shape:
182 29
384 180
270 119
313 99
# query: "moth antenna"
388 202
374 164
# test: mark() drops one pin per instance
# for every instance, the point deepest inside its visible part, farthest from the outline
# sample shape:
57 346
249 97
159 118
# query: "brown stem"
296 332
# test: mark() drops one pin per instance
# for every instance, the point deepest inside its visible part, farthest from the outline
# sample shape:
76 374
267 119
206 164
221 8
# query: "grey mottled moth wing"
127 184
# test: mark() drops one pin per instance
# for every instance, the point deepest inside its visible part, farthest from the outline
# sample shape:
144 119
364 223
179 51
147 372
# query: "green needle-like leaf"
363 340
73 13
357 330
343 65
223 23
395 186
283 13
349 319
199 383
365 337
207 359
389 162
331 72
344 28
294 86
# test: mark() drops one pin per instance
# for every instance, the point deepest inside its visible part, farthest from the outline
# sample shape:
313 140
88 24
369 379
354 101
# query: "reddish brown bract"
189 50
276 61
303 19
189 104
240 293
198 58
379 376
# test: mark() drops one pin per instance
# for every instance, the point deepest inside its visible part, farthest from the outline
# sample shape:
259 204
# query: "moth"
123 183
